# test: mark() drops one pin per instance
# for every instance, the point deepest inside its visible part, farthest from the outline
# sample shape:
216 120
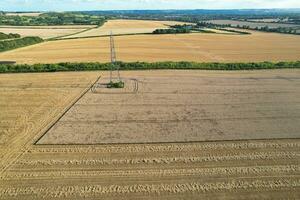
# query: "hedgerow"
6 68
17 43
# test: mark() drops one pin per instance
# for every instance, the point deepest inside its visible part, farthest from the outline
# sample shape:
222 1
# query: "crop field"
267 20
44 32
191 135
30 14
28 102
126 27
198 47
253 24
185 106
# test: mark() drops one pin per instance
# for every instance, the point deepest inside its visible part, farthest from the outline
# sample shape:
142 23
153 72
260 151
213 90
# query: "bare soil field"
184 47
126 27
44 32
248 169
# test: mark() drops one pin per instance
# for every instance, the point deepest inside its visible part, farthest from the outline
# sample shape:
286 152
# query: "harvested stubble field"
126 27
180 106
228 169
188 47
30 14
28 102
44 32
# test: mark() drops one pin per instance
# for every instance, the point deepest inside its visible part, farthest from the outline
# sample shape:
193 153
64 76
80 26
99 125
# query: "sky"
81 5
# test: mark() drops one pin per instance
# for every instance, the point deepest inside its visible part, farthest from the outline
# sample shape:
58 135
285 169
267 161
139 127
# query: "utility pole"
114 65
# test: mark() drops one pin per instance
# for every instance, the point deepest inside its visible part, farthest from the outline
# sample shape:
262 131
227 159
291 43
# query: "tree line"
10 68
286 30
52 19
4 36
172 31
17 43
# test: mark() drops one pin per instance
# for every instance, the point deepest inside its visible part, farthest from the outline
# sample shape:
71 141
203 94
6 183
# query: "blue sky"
71 5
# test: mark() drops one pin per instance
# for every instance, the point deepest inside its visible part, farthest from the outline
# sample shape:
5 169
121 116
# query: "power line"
114 64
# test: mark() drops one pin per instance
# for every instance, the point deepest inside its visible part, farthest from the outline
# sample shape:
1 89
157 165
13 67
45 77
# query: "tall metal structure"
114 64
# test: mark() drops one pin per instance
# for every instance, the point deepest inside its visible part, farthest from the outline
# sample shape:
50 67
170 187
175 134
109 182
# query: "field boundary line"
66 110
62 36
98 36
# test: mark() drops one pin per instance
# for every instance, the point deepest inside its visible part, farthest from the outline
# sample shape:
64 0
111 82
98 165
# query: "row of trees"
5 68
200 27
47 19
201 15
172 31
286 30
4 36
17 43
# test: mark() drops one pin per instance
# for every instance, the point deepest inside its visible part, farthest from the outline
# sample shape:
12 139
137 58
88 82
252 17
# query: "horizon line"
217 9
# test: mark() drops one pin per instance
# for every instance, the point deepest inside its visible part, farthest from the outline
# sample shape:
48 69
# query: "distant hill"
200 11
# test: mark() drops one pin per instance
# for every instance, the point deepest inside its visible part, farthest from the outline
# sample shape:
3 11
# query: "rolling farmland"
186 47
258 24
253 24
125 27
168 134
78 31
205 168
44 32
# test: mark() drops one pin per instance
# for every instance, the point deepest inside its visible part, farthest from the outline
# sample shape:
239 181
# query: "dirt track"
232 169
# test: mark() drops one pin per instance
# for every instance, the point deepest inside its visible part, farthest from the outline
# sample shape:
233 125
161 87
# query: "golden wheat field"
38 161
44 32
118 27
185 47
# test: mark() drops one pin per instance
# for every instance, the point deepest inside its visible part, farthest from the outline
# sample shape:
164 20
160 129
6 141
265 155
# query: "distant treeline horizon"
242 10
98 17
